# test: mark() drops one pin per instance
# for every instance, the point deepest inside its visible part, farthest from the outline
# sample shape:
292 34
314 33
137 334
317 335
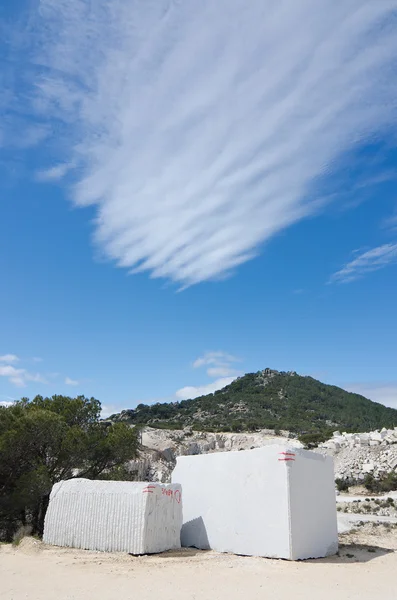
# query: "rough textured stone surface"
161 447
355 455
358 454
111 516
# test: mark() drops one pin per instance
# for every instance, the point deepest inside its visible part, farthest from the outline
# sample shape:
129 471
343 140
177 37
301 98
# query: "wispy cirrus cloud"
200 129
69 381
366 262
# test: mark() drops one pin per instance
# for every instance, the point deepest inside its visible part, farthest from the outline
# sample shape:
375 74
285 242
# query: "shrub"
342 485
21 532
386 484
313 439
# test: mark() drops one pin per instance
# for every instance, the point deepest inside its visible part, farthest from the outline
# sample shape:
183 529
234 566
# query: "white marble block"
275 501
111 516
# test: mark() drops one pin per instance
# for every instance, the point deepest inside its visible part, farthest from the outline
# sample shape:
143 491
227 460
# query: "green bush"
342 485
380 486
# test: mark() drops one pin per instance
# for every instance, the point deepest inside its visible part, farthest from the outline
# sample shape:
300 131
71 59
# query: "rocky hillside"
160 448
355 455
268 400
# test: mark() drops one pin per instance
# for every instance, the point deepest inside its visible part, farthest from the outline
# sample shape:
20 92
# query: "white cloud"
20 377
219 366
214 358
53 173
192 391
219 371
201 129
383 392
69 381
111 409
367 262
9 358
5 404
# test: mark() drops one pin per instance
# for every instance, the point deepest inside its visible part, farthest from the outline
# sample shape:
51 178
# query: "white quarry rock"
368 467
161 448
376 453
259 502
114 516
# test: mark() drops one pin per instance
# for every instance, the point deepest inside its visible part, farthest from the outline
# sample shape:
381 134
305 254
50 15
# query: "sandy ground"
365 567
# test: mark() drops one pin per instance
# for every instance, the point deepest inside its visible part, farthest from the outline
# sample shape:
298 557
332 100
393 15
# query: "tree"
46 440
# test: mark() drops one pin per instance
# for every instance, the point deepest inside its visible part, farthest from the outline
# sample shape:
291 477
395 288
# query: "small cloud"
9 358
37 359
69 381
214 358
54 173
20 377
221 364
367 262
110 409
220 371
6 403
191 391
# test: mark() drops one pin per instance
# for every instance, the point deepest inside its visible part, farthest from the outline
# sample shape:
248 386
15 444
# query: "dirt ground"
365 567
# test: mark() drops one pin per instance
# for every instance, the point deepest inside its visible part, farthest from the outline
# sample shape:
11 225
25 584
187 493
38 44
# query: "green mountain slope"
269 399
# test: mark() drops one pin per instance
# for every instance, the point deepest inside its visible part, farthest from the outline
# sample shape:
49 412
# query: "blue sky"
191 191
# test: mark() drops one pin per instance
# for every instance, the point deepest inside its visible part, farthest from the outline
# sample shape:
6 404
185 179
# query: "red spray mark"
287 456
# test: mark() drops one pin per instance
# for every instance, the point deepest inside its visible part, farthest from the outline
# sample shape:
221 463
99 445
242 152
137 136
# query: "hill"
268 399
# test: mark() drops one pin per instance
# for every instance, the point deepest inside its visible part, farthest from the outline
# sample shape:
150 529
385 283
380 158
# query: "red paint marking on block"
147 492
287 453
286 459
177 496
